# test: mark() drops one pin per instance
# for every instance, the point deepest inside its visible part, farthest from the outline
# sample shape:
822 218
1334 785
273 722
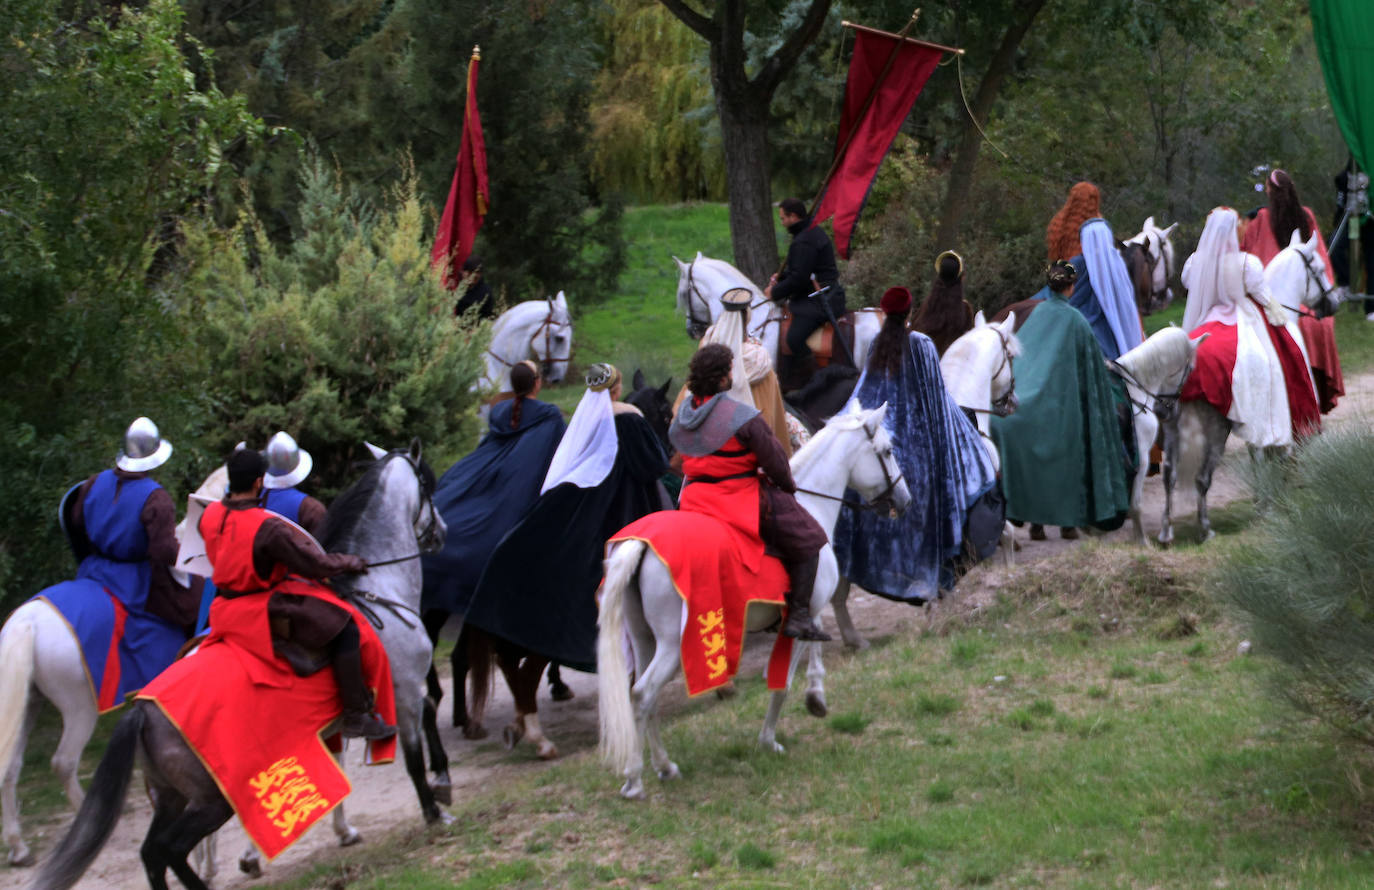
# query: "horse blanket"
257 726
121 648
706 559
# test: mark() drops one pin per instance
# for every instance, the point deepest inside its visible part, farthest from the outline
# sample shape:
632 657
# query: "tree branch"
782 61
693 19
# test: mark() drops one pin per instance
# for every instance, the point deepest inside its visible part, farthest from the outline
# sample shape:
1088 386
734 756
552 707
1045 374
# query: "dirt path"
383 798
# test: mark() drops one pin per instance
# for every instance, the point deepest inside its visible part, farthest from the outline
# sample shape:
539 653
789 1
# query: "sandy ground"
383 797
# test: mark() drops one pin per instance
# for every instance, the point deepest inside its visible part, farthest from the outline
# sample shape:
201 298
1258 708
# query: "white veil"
1214 275
588 448
729 331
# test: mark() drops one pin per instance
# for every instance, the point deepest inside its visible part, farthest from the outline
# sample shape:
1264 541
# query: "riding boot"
801 576
359 720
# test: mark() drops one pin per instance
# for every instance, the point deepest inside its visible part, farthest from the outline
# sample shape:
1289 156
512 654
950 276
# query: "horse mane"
1164 351
811 452
348 509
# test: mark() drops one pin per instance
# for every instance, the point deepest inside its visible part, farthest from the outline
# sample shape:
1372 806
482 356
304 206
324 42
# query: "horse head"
700 285
653 403
399 483
978 367
1297 276
552 340
1159 250
872 467
1157 369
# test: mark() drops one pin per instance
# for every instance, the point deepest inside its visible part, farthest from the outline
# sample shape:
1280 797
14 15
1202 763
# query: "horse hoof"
548 750
511 735
561 692
632 791
443 791
474 732
446 818
353 837
776 747
670 772
815 704
251 867
856 644
728 691
21 858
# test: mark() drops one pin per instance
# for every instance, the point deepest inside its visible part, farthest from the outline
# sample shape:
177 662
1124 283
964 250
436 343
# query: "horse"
540 330
388 518
978 372
639 596
1158 252
1154 373
1195 437
701 283
389 508
39 652
475 650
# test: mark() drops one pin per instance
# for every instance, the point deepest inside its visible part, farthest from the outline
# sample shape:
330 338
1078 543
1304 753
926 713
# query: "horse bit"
696 325
1005 404
547 326
882 501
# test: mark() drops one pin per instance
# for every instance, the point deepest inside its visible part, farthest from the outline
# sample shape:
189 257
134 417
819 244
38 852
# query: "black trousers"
808 315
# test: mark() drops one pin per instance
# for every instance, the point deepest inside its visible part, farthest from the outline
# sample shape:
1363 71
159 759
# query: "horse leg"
558 690
412 749
460 663
840 604
175 841
655 622
475 669
203 858
19 854
1169 474
822 591
662 668
509 662
78 723
1008 544
346 833
1210 461
815 683
1145 427
527 676
768 736
167 806
658 755
440 782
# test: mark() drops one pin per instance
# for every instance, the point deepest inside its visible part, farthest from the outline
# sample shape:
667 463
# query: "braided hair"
708 368
523 378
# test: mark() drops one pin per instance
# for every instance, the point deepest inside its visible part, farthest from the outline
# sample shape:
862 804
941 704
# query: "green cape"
1062 451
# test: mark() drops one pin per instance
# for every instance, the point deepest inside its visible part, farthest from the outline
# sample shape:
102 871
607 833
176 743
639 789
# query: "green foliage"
1305 579
108 137
345 335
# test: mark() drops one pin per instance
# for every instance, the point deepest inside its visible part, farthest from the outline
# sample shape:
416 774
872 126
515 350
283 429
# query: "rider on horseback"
287 466
810 267
252 551
724 446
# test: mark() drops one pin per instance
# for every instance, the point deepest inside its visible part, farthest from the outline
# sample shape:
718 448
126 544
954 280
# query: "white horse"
1154 373
39 652
978 374
1195 439
853 451
701 283
540 330
1161 253
388 518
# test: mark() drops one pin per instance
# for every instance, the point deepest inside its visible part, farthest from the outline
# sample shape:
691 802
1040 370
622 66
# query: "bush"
1305 578
343 335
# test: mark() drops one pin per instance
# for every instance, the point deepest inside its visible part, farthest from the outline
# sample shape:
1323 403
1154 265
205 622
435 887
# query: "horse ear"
637 381
699 256
663 390
377 453
1311 245
415 449
1198 341
1009 326
1149 224
1165 233
1296 239
874 419
1120 245
979 321
681 266
561 300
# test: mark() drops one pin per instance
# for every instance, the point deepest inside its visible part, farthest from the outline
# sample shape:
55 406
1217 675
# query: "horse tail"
619 734
99 812
481 654
16 678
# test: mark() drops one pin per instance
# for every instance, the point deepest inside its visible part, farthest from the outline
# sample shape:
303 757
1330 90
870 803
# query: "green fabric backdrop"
1344 32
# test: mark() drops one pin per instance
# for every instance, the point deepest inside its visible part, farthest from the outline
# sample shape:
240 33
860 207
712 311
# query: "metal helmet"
287 463
144 447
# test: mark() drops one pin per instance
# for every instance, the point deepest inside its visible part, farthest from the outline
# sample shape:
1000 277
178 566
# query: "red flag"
873 122
468 196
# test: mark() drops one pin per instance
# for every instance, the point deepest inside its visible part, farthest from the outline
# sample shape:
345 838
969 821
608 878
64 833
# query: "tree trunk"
744 136
966 160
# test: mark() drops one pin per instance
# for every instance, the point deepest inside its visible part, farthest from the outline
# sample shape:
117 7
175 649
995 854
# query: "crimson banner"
467 197
874 124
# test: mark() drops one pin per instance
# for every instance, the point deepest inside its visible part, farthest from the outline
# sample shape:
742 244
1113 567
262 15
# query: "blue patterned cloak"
946 467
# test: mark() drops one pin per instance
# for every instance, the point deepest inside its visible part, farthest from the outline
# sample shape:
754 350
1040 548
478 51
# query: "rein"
999 404
1164 402
548 325
877 503
1159 295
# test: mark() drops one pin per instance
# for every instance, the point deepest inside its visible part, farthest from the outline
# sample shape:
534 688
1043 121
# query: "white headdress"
588 448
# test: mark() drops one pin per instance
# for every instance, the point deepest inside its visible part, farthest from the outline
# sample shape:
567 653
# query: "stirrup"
363 725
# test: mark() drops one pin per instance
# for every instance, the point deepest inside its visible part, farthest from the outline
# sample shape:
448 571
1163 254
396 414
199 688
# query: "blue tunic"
284 502
484 495
946 468
116 569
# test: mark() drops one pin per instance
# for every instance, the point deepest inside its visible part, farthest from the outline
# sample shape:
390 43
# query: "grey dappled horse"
382 517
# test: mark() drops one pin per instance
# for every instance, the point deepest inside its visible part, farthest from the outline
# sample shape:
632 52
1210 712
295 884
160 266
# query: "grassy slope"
1077 734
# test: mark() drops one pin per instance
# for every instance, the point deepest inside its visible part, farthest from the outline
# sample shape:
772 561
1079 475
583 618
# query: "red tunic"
725 484
228 536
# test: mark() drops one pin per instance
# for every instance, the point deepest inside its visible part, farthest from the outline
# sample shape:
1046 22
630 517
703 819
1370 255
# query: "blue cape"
946 468
484 495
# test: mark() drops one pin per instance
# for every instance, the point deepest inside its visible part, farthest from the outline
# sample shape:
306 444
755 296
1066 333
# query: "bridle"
884 501
1003 405
547 327
364 600
1159 296
1327 305
1165 403
696 325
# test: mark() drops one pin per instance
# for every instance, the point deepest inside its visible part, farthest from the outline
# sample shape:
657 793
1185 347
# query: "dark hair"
1060 276
245 467
793 206
886 355
1285 210
522 381
709 364
944 315
473 263
949 268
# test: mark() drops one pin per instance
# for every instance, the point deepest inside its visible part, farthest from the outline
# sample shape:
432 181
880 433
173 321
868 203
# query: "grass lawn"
1093 728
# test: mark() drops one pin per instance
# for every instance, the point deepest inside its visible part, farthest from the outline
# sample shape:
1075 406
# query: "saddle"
822 340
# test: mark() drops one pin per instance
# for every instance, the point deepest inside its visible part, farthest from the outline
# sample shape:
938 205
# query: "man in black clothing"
810 266
478 292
